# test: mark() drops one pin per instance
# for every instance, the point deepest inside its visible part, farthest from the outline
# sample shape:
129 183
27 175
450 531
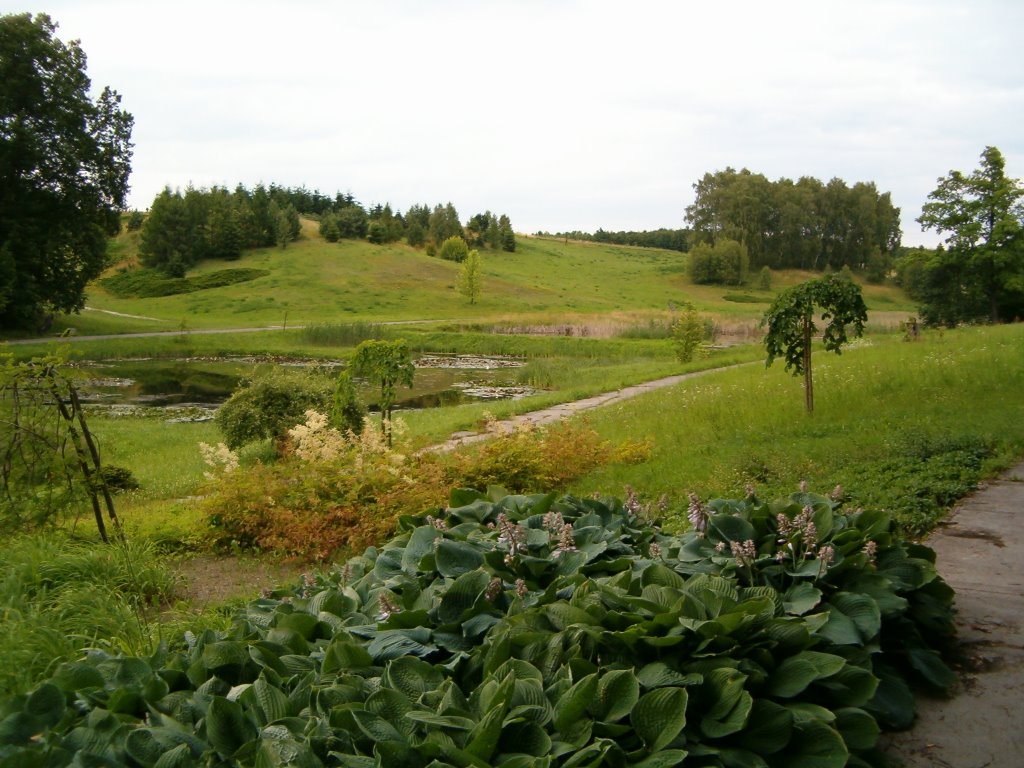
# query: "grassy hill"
545 281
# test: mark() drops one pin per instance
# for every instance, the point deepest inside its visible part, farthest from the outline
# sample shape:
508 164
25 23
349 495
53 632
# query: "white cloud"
565 114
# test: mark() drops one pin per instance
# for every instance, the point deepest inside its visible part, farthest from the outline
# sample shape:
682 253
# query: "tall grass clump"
59 597
342 334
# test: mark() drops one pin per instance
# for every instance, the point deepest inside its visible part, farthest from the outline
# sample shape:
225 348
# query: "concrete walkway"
981 554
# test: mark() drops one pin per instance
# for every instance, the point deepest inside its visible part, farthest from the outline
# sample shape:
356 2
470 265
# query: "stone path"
981 554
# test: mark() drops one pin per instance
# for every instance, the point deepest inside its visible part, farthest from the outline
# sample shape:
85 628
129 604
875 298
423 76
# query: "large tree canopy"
980 272
803 224
64 165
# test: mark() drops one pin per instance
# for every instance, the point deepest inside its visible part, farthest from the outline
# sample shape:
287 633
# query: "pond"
204 383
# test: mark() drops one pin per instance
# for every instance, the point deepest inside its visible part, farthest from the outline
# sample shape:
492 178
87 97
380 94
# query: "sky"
565 115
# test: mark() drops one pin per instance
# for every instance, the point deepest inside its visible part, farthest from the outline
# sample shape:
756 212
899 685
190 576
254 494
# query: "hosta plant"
524 631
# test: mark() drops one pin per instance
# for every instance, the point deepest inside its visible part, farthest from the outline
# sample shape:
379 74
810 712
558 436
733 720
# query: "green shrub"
454 249
525 631
152 283
118 478
270 403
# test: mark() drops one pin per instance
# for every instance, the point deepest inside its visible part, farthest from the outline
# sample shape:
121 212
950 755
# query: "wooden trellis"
26 391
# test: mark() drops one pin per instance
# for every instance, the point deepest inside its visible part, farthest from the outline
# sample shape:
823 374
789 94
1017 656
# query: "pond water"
205 383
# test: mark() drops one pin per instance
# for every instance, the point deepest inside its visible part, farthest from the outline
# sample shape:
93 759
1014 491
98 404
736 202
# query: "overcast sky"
566 114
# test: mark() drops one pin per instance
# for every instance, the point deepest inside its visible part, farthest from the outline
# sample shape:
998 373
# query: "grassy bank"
900 425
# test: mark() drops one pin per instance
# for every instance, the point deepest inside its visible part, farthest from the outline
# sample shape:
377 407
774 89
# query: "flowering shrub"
524 631
335 491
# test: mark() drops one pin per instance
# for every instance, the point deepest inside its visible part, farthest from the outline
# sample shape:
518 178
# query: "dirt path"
556 412
981 554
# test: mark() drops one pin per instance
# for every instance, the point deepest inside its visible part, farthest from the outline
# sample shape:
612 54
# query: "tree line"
803 224
667 239
182 229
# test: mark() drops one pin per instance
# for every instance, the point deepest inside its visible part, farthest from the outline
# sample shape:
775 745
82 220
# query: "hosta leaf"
931 667
272 702
862 609
893 702
740 758
47 703
858 729
666 758
660 675
851 686
815 745
656 573
795 673
375 727
302 623
178 757
590 756
331 601
77 676
420 543
722 688
411 676
769 727
571 706
659 716
528 738
227 727
454 558
728 528
462 595
520 670
19 728
617 694
393 643
562 615
483 739
448 722
344 655
392 706
732 722
800 599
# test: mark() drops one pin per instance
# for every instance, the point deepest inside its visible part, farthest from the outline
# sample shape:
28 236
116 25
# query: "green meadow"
907 427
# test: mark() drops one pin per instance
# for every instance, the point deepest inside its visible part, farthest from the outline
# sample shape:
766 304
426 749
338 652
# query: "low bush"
525 631
152 283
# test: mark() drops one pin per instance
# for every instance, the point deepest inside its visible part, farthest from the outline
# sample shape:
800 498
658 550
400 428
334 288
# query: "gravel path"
556 412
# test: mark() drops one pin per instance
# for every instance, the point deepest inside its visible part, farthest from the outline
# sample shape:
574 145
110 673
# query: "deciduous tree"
64 165
470 278
980 273
791 327
389 363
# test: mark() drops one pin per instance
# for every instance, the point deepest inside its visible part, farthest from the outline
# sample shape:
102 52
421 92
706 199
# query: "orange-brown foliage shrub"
334 493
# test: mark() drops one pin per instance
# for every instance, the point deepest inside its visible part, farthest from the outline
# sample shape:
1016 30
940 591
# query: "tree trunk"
808 381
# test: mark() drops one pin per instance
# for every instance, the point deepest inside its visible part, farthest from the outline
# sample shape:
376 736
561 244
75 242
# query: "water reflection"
205 383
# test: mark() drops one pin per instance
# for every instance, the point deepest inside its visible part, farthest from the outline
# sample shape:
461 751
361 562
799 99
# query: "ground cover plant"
525 631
